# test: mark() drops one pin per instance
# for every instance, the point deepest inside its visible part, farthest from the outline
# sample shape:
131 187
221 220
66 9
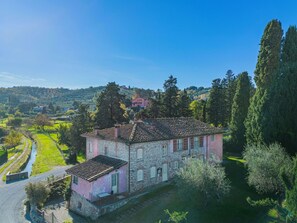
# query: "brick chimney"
96 130
117 131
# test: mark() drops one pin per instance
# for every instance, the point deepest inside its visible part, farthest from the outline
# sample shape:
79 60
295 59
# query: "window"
201 141
79 205
164 150
90 145
212 138
196 142
139 175
139 154
105 150
179 144
75 180
153 172
175 165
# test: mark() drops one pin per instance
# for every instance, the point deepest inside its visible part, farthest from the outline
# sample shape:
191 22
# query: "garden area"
233 208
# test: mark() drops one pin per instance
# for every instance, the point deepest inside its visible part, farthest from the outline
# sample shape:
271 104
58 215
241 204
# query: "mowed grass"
233 208
48 155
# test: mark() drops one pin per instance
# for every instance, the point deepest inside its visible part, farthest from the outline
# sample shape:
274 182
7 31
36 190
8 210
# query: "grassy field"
233 209
48 155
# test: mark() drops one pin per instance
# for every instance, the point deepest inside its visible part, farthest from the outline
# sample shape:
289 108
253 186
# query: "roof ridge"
133 132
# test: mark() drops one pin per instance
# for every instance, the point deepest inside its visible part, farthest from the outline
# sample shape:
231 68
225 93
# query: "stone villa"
128 158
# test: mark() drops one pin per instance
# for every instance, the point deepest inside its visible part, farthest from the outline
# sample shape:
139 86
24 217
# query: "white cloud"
9 79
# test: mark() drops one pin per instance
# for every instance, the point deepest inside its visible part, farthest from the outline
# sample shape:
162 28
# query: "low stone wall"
83 207
16 176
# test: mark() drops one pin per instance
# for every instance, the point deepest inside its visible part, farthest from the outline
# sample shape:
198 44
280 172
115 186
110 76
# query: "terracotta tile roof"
96 167
157 129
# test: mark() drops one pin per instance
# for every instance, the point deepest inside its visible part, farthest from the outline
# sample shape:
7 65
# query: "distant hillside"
65 97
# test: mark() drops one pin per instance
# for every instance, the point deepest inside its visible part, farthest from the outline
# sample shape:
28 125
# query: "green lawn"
48 155
233 209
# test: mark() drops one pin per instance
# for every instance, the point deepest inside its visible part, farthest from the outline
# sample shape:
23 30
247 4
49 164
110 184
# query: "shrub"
264 164
206 180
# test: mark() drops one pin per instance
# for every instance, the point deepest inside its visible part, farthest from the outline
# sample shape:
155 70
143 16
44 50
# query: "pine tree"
183 104
266 72
284 109
170 97
108 107
240 107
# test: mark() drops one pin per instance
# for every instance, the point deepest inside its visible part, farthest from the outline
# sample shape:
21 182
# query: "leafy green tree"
198 108
155 106
170 98
264 165
290 183
183 104
206 180
37 194
108 106
42 120
257 122
63 134
215 107
240 107
14 122
81 123
176 216
13 139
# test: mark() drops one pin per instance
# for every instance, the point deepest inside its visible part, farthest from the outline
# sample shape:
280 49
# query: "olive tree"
37 194
264 164
205 179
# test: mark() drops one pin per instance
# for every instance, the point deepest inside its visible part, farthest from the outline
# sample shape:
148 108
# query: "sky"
83 43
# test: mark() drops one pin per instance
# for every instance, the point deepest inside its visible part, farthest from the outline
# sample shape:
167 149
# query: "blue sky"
76 44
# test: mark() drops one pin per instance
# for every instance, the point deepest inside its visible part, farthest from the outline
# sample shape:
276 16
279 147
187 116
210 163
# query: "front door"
115 182
164 172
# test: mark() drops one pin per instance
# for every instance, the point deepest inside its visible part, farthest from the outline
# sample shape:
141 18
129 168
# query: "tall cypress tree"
266 71
215 106
170 97
229 85
240 107
284 109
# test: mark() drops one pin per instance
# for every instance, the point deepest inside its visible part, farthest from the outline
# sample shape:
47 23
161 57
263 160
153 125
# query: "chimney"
117 131
96 130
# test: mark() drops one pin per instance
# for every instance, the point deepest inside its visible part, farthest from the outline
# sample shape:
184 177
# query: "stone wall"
153 156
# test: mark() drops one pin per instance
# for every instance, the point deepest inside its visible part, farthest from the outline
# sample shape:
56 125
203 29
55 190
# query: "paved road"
12 196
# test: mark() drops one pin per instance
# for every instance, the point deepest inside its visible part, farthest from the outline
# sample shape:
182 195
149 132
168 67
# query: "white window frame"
139 154
164 150
180 144
153 171
90 145
75 180
196 142
139 175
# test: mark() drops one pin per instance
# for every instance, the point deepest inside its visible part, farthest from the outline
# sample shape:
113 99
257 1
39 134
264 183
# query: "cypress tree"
257 122
240 107
285 92
229 85
215 106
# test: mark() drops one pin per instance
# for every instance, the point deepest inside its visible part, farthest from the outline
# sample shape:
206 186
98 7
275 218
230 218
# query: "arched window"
153 172
139 154
139 175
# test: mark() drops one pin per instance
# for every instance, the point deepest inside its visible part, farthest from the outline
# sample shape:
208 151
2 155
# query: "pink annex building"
126 159
139 102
